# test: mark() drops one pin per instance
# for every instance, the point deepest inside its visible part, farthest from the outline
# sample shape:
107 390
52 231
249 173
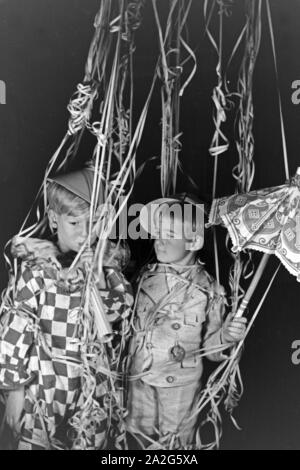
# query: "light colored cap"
79 183
149 215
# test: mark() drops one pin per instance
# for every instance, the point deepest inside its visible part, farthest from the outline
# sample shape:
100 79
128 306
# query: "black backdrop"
43 47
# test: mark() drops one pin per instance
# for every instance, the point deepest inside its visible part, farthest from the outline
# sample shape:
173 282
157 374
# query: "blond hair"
63 201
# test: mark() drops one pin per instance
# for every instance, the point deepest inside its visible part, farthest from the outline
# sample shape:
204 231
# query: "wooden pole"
252 287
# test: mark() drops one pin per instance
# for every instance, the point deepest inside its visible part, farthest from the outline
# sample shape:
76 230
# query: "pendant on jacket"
177 353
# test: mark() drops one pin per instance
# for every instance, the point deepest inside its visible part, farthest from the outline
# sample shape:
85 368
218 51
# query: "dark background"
43 48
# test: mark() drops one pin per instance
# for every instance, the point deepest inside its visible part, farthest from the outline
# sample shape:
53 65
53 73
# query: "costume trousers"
163 411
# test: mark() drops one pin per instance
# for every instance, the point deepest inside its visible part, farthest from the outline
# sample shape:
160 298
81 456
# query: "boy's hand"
233 329
14 408
87 258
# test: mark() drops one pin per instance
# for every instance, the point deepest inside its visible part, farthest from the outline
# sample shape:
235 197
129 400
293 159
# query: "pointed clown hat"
80 183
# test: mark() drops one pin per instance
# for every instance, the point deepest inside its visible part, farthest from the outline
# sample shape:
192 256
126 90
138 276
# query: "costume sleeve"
214 321
17 331
117 297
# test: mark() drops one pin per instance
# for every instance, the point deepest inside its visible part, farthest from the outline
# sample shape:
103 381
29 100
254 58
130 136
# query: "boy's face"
171 244
72 231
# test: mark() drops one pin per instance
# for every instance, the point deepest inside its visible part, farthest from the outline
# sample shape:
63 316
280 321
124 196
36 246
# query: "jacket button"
176 326
170 379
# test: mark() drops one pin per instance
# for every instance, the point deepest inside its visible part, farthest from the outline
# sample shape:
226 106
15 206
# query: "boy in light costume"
53 361
179 310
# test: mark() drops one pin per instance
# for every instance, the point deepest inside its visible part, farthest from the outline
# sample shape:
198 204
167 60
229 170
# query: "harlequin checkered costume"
179 311
42 346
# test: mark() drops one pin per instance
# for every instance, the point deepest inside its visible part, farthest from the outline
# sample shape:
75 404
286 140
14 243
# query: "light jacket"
177 313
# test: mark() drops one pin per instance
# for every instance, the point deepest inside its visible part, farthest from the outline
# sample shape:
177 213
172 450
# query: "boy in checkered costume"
179 313
55 366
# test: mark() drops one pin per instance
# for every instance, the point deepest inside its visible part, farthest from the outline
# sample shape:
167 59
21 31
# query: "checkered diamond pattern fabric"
40 349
